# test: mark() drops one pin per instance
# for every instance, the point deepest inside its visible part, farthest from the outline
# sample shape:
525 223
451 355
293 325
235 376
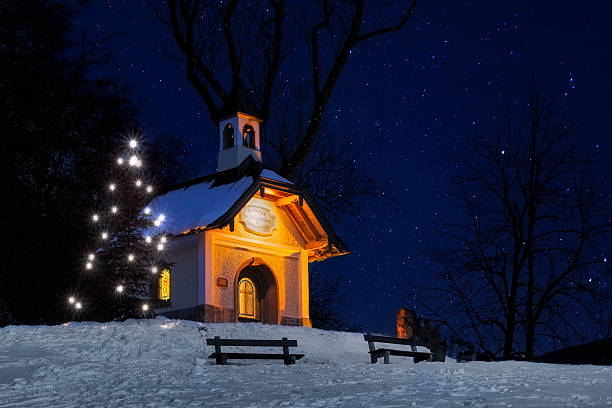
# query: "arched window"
164 285
246 298
248 136
228 136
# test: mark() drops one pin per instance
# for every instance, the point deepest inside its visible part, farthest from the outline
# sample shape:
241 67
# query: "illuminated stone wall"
200 259
280 251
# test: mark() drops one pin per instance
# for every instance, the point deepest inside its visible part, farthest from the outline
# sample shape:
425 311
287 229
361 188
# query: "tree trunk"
511 315
530 330
510 327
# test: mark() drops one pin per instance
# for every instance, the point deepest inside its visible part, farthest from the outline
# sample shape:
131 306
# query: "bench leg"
419 359
373 357
288 359
387 354
220 359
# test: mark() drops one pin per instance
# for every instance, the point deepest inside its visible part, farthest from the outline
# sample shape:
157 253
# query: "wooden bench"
436 354
221 357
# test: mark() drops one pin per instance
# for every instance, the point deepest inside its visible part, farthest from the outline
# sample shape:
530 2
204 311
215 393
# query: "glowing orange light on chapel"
246 298
164 285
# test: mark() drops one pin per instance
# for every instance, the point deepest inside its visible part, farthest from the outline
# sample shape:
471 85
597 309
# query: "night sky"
408 98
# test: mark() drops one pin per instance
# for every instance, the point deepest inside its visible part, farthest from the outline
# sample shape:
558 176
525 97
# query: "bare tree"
230 42
331 172
327 300
231 47
528 260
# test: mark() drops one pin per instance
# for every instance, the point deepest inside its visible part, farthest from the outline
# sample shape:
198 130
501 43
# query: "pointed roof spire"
238 100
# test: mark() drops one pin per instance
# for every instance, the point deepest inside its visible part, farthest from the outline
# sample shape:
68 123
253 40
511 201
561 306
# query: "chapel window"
248 136
164 285
228 136
246 296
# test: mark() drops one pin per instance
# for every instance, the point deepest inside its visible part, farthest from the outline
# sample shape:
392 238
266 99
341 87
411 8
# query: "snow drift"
163 362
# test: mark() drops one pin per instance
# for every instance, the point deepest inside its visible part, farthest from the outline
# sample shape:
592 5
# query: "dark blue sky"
407 97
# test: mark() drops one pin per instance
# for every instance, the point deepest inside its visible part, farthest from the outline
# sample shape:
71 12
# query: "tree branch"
273 64
392 28
231 45
185 43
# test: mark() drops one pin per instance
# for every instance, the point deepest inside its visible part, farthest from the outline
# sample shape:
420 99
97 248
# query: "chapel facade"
243 237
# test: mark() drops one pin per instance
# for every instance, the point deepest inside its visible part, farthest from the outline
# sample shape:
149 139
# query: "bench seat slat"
392 340
404 353
254 343
254 356
222 357
416 355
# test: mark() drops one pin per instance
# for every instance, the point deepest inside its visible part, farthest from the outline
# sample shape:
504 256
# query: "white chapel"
243 237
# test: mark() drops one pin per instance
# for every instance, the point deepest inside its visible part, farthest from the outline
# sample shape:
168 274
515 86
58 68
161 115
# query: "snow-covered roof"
213 201
198 205
269 174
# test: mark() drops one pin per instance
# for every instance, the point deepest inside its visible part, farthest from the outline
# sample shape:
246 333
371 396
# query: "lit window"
248 136
246 298
164 285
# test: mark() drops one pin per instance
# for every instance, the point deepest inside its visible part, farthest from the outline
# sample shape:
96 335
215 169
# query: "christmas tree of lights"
121 270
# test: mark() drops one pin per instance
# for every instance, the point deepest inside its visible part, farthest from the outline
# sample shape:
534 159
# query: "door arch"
256 294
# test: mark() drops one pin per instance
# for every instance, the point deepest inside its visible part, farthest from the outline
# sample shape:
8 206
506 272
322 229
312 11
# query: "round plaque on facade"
258 219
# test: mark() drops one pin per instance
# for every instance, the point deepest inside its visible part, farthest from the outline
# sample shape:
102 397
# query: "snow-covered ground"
164 363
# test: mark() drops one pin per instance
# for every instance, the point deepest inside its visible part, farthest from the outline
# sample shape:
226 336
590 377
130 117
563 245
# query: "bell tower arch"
239 126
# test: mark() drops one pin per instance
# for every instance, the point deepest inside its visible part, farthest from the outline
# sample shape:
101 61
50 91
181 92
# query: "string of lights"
150 235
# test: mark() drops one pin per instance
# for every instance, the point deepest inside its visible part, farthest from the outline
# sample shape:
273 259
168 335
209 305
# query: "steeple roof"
238 100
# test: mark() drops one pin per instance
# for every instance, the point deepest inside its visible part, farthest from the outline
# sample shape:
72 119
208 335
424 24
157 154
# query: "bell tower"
239 130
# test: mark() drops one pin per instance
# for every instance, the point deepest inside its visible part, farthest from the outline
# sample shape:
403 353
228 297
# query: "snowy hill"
163 363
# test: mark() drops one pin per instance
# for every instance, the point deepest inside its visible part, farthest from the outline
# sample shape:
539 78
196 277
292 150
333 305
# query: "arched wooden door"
257 295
